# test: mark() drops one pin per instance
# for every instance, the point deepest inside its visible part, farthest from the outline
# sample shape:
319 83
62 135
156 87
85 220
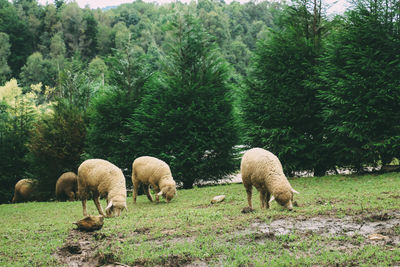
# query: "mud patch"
143 230
172 261
365 226
81 250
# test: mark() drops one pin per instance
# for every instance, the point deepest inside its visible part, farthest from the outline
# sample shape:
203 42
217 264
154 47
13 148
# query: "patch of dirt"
173 261
143 230
204 206
81 250
247 210
363 225
378 217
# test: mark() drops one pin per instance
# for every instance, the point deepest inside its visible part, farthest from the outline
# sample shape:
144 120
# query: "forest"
194 84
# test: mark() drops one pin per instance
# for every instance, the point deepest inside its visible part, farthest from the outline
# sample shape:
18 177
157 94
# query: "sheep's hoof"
90 223
247 210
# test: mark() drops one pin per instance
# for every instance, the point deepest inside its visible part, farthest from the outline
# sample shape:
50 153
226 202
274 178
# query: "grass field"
331 226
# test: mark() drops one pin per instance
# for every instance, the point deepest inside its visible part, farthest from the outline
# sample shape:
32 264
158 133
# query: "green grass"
189 229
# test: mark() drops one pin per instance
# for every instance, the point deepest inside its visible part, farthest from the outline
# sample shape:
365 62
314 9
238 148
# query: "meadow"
337 221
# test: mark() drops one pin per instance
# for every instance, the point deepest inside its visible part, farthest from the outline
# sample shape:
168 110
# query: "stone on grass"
217 199
90 223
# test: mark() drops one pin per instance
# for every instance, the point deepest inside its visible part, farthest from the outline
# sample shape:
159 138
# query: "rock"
377 237
90 223
247 210
218 199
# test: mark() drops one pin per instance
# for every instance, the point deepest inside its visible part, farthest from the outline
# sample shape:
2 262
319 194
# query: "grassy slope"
190 229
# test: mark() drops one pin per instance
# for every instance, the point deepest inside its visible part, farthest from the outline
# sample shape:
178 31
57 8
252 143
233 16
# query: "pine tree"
56 144
114 104
280 109
186 118
361 96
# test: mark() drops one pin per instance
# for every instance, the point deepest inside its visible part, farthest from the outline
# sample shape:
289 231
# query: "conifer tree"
280 109
186 118
361 75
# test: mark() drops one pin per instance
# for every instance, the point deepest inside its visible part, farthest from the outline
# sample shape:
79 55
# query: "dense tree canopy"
190 82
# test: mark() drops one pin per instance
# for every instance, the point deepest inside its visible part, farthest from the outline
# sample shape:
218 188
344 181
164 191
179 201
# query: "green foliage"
89 50
15 123
38 70
19 34
113 106
4 54
74 85
361 93
280 109
56 144
186 118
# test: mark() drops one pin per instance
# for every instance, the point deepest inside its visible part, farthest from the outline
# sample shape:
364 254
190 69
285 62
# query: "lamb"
263 169
155 172
66 186
24 189
102 178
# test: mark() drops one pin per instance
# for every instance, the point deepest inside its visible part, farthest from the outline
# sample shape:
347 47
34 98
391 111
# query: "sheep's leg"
135 190
147 189
84 207
96 199
262 199
249 189
268 198
157 190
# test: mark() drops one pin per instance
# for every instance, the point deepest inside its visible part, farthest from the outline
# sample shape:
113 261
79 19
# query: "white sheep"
263 169
155 172
102 178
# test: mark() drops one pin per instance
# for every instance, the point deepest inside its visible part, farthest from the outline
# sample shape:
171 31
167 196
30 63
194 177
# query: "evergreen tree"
361 93
17 116
186 118
58 137
113 106
280 109
57 143
4 54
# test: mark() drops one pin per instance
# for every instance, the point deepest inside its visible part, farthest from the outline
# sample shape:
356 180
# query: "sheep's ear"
271 199
109 205
294 191
159 193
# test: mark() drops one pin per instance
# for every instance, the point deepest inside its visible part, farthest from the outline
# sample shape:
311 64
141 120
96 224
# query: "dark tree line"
188 83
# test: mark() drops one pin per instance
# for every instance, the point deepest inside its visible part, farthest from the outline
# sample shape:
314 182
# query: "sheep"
155 172
66 186
24 189
102 178
263 169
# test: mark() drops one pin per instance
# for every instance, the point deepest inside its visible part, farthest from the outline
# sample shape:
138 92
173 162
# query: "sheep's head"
115 206
284 198
168 192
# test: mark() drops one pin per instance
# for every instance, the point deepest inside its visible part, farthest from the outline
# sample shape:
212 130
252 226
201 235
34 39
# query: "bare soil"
363 225
81 249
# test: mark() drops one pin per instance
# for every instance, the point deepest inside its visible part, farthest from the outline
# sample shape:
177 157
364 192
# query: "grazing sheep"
263 169
66 186
24 189
152 171
102 178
